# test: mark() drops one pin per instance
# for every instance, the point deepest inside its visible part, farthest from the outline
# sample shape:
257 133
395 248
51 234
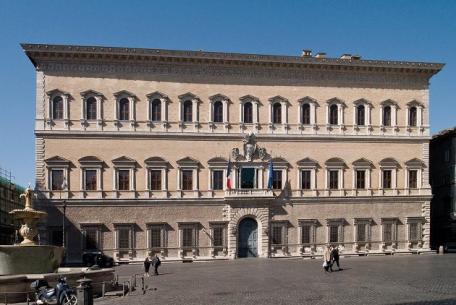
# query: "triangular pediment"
336 100
157 94
307 162
307 99
219 97
187 161
415 103
155 159
388 102
278 98
55 92
188 96
90 92
124 93
249 98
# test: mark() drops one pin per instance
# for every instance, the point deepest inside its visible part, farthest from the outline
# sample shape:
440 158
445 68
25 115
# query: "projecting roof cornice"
46 52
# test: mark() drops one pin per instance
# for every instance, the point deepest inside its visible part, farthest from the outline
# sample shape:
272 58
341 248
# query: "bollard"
441 250
84 292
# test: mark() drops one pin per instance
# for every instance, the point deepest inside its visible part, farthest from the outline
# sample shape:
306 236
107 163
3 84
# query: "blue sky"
416 30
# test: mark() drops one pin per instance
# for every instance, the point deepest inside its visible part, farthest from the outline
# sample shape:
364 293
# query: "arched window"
57 108
412 116
155 110
387 116
277 113
248 112
124 109
360 115
333 115
188 111
91 108
218 112
305 114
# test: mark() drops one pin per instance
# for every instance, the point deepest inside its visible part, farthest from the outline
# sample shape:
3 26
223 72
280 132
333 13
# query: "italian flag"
228 175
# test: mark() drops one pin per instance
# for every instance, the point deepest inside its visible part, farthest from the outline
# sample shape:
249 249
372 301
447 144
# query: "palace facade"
136 144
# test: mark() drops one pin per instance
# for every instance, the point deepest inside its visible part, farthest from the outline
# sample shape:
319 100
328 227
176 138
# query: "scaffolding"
9 200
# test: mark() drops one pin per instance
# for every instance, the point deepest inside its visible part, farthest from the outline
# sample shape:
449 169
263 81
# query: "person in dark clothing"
146 266
156 263
335 257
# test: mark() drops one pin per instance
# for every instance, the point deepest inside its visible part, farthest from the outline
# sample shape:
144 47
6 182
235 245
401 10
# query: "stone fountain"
28 257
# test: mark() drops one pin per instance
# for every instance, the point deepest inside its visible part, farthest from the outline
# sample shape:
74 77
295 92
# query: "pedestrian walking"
335 257
327 259
156 263
146 266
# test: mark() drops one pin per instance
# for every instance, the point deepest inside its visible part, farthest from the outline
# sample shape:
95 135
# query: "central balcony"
249 194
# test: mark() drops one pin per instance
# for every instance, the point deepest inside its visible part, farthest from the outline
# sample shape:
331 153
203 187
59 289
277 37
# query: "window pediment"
188 161
157 95
415 162
156 161
219 97
389 220
335 221
389 102
217 161
89 93
389 162
308 162
57 161
362 101
337 101
335 162
249 98
90 160
362 162
57 92
278 99
313 222
189 96
308 99
124 93
417 219
279 161
124 161
369 221
415 103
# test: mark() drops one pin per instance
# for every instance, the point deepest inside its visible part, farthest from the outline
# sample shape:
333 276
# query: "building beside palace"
9 200
443 182
143 138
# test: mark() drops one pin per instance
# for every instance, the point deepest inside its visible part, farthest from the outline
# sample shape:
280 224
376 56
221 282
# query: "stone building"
443 182
147 139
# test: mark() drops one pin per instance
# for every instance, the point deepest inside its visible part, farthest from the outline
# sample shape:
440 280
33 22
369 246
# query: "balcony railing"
249 193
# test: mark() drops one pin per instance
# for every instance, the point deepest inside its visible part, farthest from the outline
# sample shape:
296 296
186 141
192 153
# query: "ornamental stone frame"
99 98
131 103
284 113
367 115
255 108
164 99
195 110
66 97
394 107
313 111
225 102
261 214
340 112
419 115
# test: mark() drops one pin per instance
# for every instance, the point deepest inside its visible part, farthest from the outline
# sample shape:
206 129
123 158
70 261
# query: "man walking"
156 263
335 256
146 266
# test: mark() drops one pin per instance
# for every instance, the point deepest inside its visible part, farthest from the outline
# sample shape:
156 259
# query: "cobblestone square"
410 279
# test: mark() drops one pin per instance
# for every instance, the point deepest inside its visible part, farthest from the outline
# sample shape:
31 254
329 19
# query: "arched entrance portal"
248 238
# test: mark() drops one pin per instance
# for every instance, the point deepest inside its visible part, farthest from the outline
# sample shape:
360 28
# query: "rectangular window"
413 178
90 180
360 179
188 237
217 180
123 179
277 179
124 238
333 234
91 110
56 179
414 233
386 179
333 179
305 179
217 237
361 232
155 236
187 180
387 232
305 237
91 239
277 235
155 180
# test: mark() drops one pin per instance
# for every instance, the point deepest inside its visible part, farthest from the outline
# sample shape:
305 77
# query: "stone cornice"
225 137
40 52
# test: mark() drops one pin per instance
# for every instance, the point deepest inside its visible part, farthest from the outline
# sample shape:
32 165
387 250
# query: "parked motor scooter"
62 294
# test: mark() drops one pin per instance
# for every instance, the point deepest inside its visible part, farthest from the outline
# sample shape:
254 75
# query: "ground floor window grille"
333 234
124 238
335 230
188 235
218 239
155 237
361 230
388 232
306 237
276 235
413 232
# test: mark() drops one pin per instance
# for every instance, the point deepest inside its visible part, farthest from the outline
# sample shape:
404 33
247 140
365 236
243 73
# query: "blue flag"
271 172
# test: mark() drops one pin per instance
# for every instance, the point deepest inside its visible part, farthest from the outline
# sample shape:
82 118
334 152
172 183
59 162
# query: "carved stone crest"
250 151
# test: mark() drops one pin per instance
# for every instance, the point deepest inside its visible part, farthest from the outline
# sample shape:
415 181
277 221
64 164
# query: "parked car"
97 258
